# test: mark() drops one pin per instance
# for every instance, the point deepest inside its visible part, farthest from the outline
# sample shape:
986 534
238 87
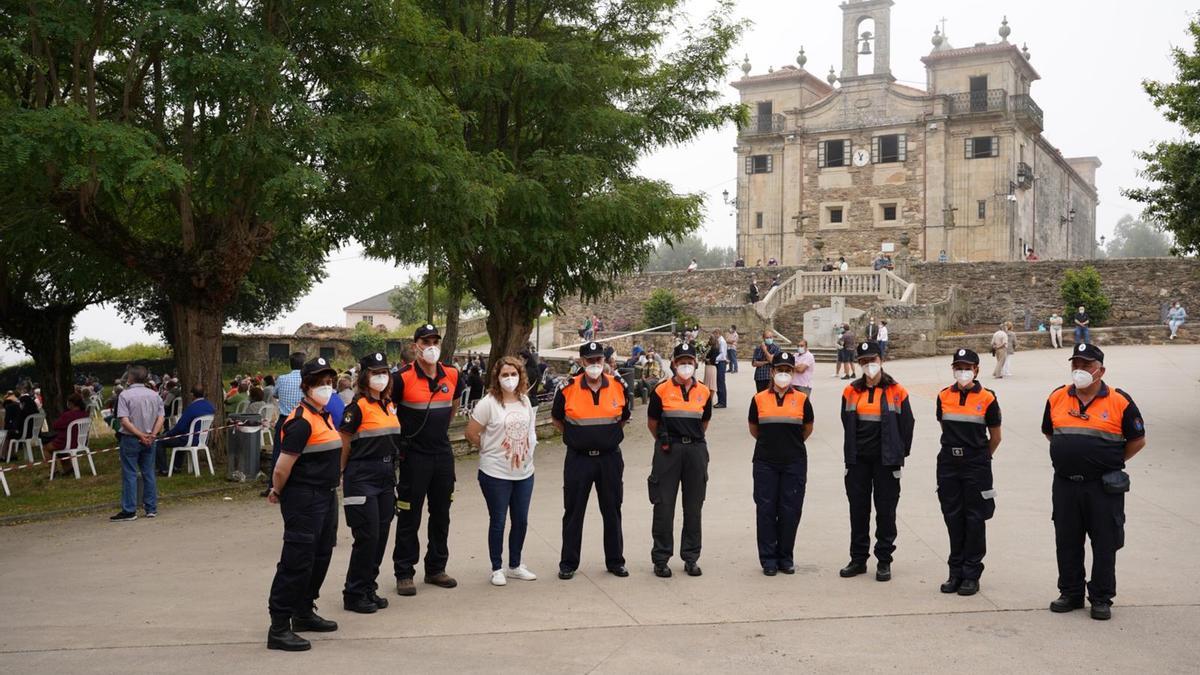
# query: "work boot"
853 569
661 570
405 587
951 585
1066 604
969 587
692 569
381 603
787 570
883 571
1102 611
770 571
618 571
308 620
441 579
280 636
359 605
566 575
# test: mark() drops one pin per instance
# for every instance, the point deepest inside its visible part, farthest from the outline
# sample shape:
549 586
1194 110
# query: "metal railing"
882 284
764 124
1025 107
991 100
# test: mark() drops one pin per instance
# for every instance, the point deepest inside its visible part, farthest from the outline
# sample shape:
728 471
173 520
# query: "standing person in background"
882 339
1012 348
753 289
710 363
761 361
722 363
1056 323
141 413
731 339
805 366
1000 351
1083 324
1175 318
288 394
846 344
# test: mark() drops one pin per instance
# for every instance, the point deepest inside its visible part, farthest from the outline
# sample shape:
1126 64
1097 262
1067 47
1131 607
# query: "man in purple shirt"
141 413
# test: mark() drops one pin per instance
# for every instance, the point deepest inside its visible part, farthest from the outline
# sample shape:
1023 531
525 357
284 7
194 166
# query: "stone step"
824 354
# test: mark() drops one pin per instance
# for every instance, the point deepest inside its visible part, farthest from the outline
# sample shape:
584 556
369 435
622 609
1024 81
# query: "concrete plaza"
187 592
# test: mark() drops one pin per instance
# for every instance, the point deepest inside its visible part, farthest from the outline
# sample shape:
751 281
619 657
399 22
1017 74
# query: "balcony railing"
1026 109
763 124
991 100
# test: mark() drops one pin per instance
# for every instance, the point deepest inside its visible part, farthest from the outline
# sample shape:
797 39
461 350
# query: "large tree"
1173 167
553 104
678 255
1134 238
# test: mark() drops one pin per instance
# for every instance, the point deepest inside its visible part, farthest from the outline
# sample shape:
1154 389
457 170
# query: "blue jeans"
137 457
883 349
721 382
733 364
506 496
1081 334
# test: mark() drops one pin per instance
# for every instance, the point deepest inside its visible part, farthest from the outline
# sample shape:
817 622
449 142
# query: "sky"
1092 56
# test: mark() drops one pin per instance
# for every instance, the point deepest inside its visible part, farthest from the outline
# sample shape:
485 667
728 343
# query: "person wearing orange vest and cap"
678 415
878 423
426 393
781 420
591 411
305 487
970 418
370 432
1093 431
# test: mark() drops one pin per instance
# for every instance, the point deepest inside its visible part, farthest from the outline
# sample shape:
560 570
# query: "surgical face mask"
964 377
509 383
321 394
800 350
379 382
685 370
595 370
769 341
1082 379
431 354
783 380
872 369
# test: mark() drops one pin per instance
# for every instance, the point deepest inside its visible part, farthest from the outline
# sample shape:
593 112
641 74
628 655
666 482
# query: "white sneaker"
521 572
498 578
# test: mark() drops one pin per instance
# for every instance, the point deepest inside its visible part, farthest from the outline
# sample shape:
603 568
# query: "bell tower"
859 41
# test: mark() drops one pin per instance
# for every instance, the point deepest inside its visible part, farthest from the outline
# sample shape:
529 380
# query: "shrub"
1082 287
365 339
662 307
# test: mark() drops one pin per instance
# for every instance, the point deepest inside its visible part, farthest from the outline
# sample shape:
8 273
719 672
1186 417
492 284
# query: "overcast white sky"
1092 56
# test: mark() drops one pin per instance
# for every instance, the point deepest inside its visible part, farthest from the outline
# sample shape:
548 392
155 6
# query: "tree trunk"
197 332
453 308
509 325
48 342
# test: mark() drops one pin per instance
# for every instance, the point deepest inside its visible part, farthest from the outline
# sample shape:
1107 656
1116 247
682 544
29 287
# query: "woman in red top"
73 412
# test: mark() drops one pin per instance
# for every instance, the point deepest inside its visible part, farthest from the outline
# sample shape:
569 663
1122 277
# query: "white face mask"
321 394
379 382
964 377
595 370
509 383
431 355
1082 379
800 350
685 370
872 369
783 380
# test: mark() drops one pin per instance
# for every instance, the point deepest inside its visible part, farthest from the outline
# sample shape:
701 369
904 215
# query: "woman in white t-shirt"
502 427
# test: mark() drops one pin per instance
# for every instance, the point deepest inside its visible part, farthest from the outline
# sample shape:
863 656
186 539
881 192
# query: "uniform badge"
320 362
1082 347
347 418
962 352
1137 424
865 346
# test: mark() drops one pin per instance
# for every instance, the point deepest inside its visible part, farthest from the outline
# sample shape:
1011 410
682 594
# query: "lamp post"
1067 220
733 203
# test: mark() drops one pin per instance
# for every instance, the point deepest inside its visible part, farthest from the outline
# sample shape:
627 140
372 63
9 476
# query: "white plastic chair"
29 436
263 408
175 412
199 429
78 431
241 407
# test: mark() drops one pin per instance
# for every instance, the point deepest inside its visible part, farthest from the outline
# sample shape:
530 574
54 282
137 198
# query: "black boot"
1065 604
883 571
307 620
280 636
951 585
359 605
381 603
1102 611
853 569
969 587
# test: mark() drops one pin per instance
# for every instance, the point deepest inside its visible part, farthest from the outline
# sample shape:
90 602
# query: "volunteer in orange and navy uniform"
426 393
1093 430
781 419
878 424
970 418
370 433
305 487
678 416
591 412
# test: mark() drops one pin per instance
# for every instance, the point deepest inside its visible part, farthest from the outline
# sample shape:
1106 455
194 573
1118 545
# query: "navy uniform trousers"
867 479
965 492
778 501
310 522
369 499
581 471
423 476
1085 509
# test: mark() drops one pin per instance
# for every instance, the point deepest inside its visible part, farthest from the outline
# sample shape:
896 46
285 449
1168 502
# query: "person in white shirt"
693 266
503 427
722 367
882 338
1000 351
1056 323
802 372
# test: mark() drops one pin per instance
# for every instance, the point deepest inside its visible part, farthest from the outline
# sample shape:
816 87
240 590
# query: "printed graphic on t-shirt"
516 438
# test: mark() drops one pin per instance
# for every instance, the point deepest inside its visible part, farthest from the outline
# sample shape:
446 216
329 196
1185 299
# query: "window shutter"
750 164
821 154
902 147
874 149
969 150
846 152
995 146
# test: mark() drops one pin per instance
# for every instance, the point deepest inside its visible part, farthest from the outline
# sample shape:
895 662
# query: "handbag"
1115 482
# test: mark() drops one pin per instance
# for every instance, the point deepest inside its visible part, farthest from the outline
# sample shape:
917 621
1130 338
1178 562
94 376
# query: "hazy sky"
1092 56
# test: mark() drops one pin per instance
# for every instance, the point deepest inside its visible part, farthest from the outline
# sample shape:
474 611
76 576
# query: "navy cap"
964 355
425 331
590 349
373 361
1088 352
316 366
783 359
866 349
681 350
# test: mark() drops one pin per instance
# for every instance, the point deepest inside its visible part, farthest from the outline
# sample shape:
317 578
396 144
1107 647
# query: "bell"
866 47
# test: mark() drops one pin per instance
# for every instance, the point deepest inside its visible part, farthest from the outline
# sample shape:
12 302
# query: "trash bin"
245 446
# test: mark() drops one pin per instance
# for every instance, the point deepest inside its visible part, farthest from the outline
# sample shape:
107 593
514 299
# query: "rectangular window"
277 352
759 164
982 209
979 89
889 212
369 319
229 354
982 146
835 214
765 117
328 353
888 149
758 220
833 153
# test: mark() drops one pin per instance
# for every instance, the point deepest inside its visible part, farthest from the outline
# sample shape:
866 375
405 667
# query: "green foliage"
1082 287
1173 167
366 339
410 300
679 255
1135 238
91 350
663 307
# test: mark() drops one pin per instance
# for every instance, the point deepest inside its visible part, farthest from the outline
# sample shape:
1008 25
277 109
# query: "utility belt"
369 461
954 452
685 440
1114 482
595 452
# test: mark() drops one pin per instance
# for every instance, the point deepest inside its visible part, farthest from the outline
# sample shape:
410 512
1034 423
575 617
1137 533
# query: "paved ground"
187 592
